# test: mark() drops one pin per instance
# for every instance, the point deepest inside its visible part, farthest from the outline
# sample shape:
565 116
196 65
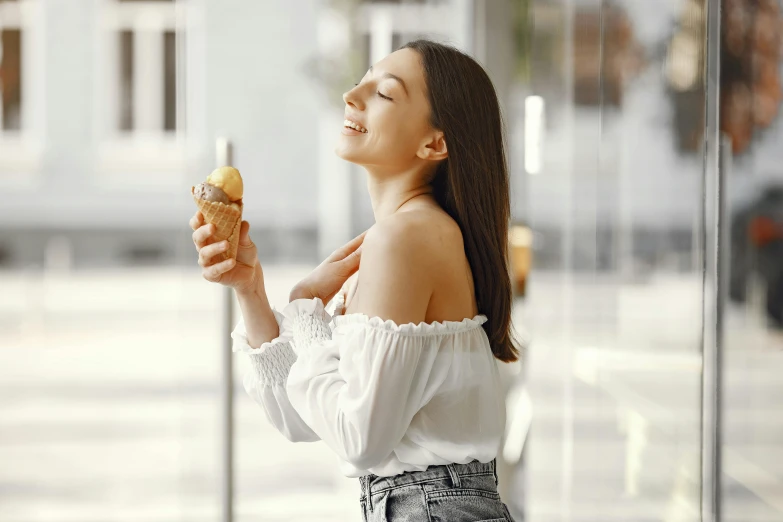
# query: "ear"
434 148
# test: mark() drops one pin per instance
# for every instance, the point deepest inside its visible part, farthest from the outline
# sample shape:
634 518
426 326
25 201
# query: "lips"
352 124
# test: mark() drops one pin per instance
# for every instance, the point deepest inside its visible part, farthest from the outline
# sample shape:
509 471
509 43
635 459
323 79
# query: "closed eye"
357 84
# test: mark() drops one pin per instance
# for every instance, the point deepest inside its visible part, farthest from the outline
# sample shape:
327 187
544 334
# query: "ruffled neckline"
315 307
422 328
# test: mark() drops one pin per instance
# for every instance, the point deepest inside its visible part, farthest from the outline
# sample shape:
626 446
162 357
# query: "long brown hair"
472 184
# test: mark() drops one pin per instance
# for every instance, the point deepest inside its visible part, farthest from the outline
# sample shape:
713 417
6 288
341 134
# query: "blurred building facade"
121 103
112 108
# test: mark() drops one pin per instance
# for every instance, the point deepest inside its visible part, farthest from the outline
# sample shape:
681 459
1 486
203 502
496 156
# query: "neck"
389 193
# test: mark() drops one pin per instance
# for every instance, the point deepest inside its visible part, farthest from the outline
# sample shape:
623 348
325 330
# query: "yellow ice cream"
229 180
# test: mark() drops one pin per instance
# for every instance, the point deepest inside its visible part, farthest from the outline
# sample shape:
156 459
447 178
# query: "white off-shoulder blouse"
386 398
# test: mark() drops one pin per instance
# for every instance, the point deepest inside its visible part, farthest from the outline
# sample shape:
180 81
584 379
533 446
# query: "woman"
402 381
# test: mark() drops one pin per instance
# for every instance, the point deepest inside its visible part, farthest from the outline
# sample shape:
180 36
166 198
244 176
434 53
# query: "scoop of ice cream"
210 193
229 180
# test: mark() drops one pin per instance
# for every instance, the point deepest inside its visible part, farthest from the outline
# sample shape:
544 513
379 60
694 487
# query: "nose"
353 98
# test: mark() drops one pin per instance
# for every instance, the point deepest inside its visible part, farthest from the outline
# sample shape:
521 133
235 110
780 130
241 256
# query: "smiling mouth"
355 126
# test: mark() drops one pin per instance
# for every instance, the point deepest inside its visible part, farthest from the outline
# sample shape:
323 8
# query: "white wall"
257 93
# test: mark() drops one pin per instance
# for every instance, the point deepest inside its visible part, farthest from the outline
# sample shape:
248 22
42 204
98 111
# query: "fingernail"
224 245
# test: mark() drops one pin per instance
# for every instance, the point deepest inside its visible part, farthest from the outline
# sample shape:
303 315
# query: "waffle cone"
227 221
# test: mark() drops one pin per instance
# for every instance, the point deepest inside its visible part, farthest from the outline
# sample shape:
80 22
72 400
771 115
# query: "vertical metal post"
224 156
714 234
568 222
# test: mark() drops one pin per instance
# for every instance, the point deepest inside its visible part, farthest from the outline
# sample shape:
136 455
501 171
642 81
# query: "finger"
356 255
202 233
244 235
215 272
206 253
350 264
196 221
348 248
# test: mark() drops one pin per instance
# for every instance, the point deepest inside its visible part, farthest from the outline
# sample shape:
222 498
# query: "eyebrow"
393 77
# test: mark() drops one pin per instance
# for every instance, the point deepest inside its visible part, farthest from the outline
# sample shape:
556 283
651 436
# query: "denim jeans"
451 493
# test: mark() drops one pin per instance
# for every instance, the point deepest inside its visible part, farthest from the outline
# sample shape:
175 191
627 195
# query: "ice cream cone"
227 221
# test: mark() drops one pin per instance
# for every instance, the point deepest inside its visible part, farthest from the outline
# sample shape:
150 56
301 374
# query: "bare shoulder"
401 258
422 234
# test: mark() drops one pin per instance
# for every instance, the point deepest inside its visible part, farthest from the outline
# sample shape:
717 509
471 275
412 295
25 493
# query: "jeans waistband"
372 484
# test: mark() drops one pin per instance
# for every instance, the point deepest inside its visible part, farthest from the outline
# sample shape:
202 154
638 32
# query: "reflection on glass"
750 69
753 450
606 55
753 393
614 299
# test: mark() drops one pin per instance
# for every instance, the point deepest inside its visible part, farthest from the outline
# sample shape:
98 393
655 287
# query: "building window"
10 66
144 66
11 79
125 70
22 92
138 117
169 80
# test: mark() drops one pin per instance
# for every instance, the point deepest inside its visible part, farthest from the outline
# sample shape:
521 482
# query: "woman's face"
391 110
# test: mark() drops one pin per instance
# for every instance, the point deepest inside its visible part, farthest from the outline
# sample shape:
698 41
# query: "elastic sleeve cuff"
313 307
272 366
309 321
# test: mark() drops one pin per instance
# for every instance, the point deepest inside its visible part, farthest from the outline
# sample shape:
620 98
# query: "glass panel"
614 298
753 360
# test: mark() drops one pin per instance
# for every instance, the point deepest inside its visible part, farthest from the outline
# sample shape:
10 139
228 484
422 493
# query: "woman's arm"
262 336
258 333
259 318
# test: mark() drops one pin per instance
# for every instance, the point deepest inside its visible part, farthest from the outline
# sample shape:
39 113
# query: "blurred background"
112 345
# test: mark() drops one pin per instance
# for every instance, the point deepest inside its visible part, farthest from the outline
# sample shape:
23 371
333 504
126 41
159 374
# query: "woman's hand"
327 279
243 274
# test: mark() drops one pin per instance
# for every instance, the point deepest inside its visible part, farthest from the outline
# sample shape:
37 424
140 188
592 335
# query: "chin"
349 154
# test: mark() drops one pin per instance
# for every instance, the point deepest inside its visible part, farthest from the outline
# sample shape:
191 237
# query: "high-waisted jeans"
450 493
